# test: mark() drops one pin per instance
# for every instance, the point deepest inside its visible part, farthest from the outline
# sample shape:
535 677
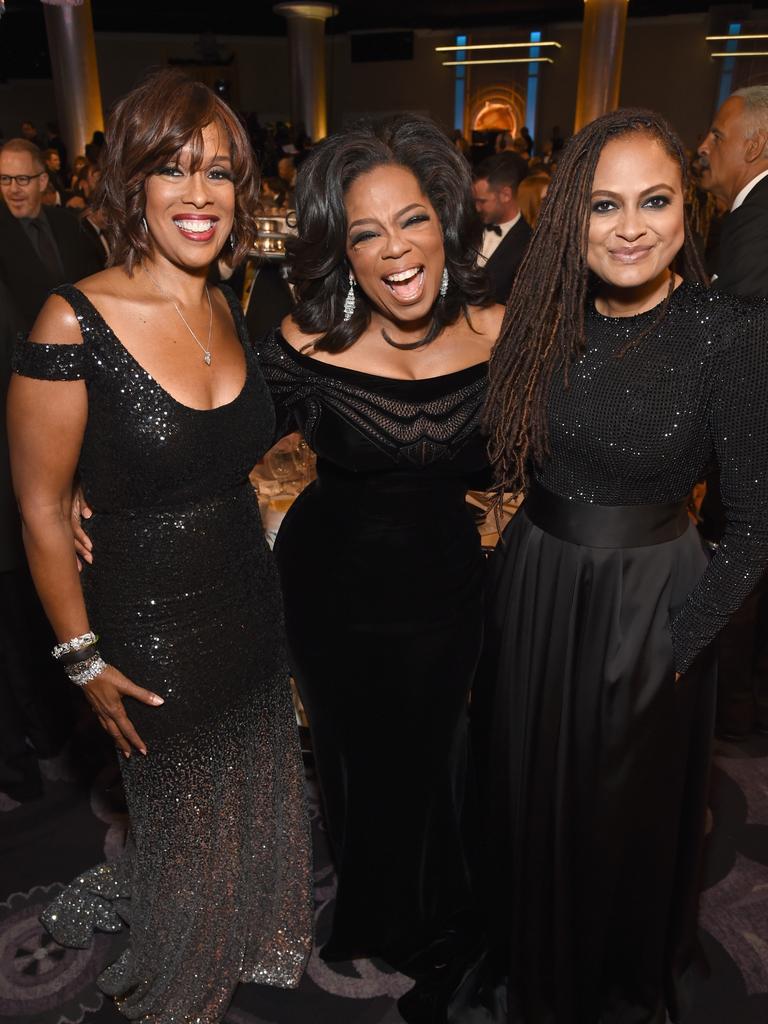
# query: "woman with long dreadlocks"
613 385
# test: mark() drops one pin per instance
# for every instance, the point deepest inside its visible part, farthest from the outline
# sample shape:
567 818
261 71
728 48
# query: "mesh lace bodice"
360 422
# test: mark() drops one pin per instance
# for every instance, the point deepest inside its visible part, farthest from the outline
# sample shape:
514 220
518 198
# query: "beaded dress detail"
382 576
215 880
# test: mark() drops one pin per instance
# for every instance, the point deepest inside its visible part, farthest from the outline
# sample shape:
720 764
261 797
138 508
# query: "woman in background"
530 196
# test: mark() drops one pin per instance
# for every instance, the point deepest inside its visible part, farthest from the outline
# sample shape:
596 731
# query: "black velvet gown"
184 594
595 762
382 573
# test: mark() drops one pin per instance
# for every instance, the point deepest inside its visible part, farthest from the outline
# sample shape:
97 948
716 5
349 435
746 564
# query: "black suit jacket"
10 534
742 258
507 257
742 269
23 273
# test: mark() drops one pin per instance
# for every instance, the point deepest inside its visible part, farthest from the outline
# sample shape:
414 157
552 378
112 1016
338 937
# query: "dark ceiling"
23 50
256 17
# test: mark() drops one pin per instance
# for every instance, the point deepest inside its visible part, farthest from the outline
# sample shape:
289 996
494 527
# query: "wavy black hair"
543 326
319 268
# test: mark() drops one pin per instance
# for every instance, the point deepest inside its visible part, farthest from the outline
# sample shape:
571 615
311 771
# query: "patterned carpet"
80 821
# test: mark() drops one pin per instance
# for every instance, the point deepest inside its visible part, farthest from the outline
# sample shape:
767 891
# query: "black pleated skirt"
594 767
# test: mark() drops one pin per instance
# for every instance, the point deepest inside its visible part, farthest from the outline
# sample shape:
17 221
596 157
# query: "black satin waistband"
605 526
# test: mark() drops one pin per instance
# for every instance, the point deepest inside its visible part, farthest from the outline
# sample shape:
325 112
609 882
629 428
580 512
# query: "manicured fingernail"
157 700
87 513
127 755
143 751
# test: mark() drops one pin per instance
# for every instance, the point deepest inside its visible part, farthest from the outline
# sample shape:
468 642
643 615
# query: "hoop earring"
444 283
349 301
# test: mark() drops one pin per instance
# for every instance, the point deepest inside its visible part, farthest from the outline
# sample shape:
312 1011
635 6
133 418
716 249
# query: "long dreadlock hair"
543 327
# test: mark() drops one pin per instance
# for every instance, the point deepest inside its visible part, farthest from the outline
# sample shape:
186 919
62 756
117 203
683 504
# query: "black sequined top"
644 427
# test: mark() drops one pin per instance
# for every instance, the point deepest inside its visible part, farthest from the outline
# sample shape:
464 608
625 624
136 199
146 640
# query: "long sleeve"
738 425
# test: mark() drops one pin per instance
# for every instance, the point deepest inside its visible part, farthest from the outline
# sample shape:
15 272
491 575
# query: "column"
69 27
602 50
306 38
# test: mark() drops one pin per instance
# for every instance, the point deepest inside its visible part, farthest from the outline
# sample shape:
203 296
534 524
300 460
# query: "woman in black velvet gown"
594 709
383 367
141 381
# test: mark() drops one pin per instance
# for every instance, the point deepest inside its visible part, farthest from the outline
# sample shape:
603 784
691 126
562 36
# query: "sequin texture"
644 426
215 880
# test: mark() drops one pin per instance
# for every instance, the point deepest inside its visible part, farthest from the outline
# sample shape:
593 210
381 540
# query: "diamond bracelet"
85 671
75 644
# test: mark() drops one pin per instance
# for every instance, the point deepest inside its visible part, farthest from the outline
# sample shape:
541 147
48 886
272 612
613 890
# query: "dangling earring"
444 283
144 224
349 302
231 239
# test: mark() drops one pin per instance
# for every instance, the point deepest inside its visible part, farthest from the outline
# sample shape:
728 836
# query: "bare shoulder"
294 335
56 324
112 283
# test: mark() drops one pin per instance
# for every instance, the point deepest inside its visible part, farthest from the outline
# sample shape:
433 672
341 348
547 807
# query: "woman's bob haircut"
319 267
146 130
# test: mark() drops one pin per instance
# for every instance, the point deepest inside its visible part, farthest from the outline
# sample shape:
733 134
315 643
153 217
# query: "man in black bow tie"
506 234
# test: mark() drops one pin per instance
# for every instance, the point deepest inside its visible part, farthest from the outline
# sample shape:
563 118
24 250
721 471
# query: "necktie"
494 228
47 251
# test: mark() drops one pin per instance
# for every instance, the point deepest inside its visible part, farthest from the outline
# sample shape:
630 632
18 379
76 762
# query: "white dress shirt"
746 190
491 241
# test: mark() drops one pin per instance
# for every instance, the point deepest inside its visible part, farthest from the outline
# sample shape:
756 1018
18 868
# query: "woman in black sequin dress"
142 381
594 709
380 559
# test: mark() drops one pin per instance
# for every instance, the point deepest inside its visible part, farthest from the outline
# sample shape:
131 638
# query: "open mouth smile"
406 285
197 229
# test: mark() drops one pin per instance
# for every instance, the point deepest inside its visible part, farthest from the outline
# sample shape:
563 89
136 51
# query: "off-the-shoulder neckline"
334 368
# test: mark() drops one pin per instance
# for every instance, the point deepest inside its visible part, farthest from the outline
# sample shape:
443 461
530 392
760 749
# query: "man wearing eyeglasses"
40 246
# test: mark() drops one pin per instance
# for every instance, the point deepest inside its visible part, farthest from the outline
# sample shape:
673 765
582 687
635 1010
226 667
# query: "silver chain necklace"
206 351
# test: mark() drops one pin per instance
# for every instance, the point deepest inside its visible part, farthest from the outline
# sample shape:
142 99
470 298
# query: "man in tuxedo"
40 246
734 168
506 234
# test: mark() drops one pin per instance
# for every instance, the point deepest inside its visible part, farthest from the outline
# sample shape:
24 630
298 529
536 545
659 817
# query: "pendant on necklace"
207 358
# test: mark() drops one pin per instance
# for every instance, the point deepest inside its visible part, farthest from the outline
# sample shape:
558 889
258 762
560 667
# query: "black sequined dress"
215 880
382 573
595 762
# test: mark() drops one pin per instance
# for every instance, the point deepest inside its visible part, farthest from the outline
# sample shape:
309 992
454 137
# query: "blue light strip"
460 87
533 86
729 65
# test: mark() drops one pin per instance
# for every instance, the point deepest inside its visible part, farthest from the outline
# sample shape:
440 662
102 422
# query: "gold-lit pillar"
306 38
69 27
602 50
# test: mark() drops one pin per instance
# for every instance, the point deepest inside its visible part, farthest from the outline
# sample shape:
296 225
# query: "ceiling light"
503 60
494 46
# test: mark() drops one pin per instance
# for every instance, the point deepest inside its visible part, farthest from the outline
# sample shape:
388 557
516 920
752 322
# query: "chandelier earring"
349 301
444 283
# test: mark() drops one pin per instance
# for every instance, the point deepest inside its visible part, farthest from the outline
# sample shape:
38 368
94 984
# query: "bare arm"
46 423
